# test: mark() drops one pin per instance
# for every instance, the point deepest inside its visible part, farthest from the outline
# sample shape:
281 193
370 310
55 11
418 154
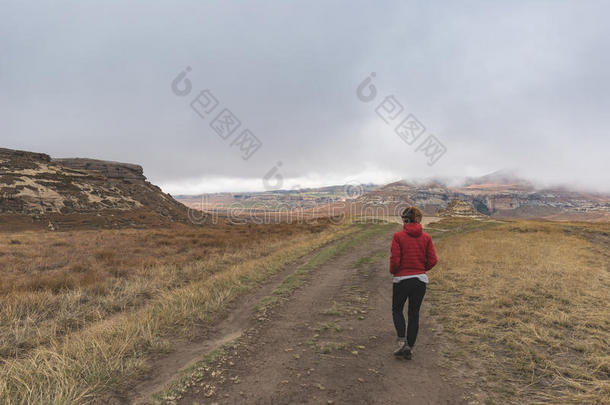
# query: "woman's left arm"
431 258
395 257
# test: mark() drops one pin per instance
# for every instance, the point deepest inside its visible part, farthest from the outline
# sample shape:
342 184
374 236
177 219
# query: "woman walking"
412 256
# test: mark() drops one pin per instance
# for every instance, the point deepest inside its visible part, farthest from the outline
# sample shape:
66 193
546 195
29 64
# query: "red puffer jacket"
412 251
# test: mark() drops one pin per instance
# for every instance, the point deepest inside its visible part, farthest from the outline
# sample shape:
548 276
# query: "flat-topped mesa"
77 192
111 170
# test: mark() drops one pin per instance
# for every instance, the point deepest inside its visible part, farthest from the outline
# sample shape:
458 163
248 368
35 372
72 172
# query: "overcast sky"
501 84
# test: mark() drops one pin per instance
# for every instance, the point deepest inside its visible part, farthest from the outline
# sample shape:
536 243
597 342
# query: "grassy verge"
109 354
449 227
524 306
366 260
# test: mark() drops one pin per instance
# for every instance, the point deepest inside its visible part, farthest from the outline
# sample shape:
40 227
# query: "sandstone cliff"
111 170
511 199
460 208
72 191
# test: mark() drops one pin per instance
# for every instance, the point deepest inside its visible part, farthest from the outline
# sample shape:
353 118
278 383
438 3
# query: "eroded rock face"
33 184
23 156
111 170
460 208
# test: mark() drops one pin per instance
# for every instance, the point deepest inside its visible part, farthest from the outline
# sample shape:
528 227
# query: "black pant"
414 290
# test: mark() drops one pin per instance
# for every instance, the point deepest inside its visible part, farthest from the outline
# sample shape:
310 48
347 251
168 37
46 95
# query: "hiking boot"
401 348
407 352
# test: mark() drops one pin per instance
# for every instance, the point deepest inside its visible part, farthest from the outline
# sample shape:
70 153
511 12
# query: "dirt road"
331 342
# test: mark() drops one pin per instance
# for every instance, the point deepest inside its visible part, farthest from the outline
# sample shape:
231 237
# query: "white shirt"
422 277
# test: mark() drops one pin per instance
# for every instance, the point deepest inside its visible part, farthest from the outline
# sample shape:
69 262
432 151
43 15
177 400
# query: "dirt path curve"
329 343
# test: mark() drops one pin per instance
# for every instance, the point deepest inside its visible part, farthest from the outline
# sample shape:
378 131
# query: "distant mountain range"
499 194
37 192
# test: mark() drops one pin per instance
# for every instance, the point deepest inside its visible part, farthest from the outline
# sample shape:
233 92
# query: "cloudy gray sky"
502 84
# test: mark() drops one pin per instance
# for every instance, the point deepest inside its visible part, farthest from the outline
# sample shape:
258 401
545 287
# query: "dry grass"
525 306
55 283
26 257
81 329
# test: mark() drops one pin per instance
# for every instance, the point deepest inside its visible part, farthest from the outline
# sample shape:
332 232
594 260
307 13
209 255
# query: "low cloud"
501 84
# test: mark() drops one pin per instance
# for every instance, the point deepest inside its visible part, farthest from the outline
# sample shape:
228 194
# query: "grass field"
523 305
525 308
82 310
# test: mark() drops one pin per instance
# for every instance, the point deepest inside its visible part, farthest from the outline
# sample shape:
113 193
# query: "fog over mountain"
523 85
